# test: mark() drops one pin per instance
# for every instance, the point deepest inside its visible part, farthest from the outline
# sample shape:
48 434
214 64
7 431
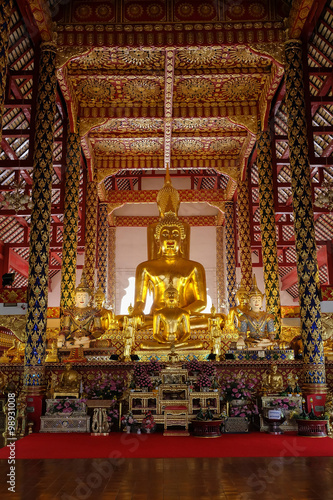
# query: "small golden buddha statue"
256 326
171 325
69 381
82 322
108 320
272 381
242 307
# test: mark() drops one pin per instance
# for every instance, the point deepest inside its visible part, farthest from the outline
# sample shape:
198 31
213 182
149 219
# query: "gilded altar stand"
173 403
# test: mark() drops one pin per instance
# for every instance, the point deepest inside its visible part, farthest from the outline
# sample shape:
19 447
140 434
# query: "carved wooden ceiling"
149 83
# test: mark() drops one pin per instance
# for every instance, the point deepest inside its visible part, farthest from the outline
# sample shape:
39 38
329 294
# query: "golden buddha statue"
69 382
256 326
107 317
242 307
171 325
272 381
188 276
167 263
82 322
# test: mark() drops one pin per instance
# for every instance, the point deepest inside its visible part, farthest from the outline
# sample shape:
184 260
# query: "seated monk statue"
69 381
82 322
272 381
171 324
187 276
256 326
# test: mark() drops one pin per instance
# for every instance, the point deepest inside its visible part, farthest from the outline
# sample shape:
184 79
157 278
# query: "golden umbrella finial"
168 198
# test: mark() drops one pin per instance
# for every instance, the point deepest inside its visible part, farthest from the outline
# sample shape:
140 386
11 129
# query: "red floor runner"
118 444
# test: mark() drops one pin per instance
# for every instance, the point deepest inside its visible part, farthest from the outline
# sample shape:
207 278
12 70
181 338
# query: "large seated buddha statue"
170 265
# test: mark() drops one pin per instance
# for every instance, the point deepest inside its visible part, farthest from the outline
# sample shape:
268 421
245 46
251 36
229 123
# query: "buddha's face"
255 302
171 298
242 300
82 299
99 301
170 240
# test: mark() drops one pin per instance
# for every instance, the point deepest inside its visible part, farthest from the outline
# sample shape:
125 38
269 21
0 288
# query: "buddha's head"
169 234
171 296
82 293
242 296
99 298
255 297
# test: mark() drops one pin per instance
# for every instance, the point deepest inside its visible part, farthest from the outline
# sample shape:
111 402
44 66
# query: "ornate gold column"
307 265
71 207
244 233
103 240
268 228
5 13
220 263
112 268
91 233
40 222
230 252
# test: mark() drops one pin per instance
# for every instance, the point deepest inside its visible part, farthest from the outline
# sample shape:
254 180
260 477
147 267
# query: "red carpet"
121 445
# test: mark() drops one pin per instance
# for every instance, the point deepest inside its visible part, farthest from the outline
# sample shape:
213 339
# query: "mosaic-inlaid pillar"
112 269
268 228
244 233
220 268
71 207
307 265
40 222
230 252
103 240
91 233
5 13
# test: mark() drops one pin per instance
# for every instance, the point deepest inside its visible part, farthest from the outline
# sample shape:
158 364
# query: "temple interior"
166 233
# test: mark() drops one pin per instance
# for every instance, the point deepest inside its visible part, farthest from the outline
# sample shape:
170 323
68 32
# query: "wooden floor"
171 479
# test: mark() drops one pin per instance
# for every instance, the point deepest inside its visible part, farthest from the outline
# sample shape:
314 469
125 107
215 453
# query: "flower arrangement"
104 386
153 367
148 423
236 388
208 369
204 380
66 406
193 366
141 377
128 420
283 403
246 410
